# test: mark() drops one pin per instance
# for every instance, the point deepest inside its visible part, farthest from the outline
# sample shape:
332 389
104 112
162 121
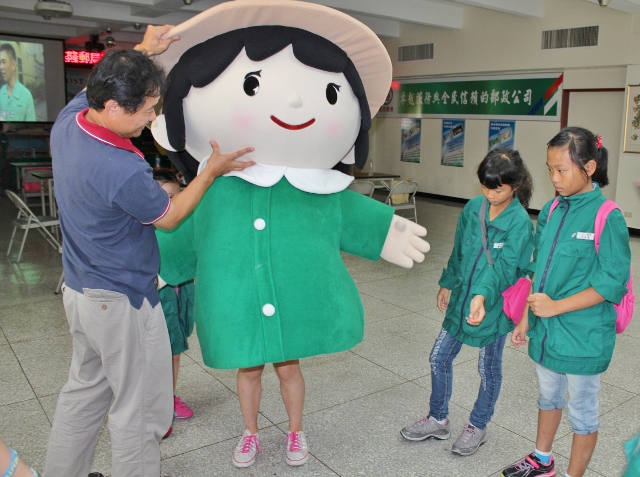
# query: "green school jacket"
177 306
565 262
510 241
271 285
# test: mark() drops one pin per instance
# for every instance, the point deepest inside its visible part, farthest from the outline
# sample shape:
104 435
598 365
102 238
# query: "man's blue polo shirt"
107 200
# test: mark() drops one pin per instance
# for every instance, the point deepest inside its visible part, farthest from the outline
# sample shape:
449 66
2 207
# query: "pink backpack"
624 310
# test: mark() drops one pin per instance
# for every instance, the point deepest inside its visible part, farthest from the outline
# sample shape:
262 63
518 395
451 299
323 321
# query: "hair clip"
598 142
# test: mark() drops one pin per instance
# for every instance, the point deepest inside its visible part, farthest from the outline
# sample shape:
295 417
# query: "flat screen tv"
32 81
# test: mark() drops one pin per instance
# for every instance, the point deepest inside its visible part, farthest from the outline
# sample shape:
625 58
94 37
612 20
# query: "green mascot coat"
271 285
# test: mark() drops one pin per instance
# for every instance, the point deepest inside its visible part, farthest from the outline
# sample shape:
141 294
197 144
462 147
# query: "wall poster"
410 148
502 134
632 120
452 142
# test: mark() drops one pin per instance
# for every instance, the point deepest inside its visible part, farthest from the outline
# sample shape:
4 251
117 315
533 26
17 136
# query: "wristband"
13 465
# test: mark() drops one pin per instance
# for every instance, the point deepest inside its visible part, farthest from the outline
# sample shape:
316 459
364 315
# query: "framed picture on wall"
632 120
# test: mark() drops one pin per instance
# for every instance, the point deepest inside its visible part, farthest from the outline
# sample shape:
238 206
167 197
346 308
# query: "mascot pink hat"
363 47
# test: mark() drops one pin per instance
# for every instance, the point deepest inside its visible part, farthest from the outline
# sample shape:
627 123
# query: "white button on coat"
268 309
259 224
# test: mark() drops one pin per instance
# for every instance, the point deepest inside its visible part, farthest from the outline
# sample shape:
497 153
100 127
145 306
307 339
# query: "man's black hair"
128 77
9 49
203 63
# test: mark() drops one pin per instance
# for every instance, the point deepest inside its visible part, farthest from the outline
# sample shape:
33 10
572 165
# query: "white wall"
461 182
496 43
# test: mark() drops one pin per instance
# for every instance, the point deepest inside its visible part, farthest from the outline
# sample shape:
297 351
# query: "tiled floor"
357 401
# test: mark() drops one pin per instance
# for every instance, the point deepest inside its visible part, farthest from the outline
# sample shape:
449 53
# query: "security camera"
189 2
603 3
110 42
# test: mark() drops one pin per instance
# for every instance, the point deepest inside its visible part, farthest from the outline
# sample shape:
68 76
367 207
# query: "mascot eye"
332 93
251 83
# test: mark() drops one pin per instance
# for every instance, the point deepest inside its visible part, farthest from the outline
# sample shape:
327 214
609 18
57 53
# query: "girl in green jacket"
470 294
571 318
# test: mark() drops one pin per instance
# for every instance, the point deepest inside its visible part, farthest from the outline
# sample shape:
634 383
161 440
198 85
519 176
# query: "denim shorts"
583 397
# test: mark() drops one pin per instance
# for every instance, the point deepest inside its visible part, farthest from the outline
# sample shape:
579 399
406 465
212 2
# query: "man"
16 102
108 200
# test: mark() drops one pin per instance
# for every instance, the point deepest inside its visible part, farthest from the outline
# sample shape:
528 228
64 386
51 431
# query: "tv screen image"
32 83
22 82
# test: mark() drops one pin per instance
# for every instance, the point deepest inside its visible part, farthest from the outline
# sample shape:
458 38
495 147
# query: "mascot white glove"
403 245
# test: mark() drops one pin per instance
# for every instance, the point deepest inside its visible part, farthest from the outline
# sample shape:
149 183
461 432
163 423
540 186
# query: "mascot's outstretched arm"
403 245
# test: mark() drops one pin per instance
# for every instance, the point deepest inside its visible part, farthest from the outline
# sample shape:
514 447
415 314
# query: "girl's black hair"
504 166
165 175
582 147
203 63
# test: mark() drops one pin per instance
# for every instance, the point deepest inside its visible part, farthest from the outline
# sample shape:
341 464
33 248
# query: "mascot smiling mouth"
293 127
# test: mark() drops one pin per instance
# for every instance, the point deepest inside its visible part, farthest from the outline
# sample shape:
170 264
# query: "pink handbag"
515 297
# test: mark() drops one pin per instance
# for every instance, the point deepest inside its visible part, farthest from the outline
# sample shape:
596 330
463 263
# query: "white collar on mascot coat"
315 181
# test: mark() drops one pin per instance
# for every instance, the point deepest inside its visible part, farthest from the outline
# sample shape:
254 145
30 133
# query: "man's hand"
443 299
476 311
542 305
153 43
220 164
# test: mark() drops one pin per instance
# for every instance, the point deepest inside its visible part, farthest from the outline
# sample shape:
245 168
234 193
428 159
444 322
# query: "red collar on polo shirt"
104 135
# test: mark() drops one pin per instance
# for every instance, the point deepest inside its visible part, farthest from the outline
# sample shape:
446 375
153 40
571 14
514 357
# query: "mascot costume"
299 82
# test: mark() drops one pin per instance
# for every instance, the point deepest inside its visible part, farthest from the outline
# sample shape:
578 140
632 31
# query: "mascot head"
297 81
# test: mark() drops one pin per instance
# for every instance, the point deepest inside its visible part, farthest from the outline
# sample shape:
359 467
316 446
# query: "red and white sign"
77 57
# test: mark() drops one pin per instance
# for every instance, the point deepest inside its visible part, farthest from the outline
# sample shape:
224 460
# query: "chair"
27 220
61 281
363 187
33 186
407 189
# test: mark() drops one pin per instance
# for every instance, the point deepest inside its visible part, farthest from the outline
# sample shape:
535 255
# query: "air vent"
415 52
570 38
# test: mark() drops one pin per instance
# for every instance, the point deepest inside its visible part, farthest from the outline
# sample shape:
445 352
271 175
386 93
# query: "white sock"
442 423
545 454
567 475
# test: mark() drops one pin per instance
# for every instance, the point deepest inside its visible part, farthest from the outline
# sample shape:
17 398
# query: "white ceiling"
382 16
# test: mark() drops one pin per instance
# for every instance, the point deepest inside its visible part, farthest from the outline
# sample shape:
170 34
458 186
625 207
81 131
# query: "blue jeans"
444 351
583 397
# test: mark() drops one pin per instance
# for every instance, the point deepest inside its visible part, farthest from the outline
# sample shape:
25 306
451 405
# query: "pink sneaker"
297 450
180 409
247 449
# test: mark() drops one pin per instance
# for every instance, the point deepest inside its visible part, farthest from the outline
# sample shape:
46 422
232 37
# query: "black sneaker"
530 466
96 474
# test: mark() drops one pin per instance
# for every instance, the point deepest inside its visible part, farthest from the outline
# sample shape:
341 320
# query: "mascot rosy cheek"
298 82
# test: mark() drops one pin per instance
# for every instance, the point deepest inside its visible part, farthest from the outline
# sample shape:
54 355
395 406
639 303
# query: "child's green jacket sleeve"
452 275
612 261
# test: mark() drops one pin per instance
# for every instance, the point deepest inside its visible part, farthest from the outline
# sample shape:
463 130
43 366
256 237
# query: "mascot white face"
292 114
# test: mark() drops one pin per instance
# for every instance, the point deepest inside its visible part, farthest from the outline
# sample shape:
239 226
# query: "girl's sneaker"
530 466
425 428
297 450
247 449
470 440
180 409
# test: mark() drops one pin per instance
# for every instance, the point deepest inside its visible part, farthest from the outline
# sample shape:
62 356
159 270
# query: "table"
46 176
22 166
382 177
